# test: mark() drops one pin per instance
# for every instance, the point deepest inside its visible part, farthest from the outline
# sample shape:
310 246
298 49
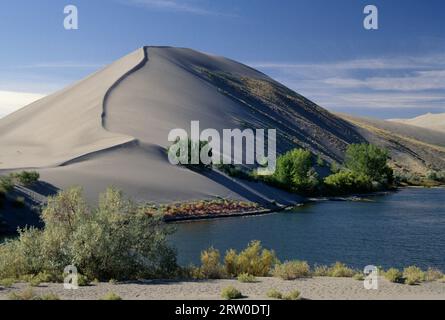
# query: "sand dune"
112 127
430 121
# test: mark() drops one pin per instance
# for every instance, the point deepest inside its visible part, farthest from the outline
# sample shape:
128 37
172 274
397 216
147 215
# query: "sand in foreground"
314 288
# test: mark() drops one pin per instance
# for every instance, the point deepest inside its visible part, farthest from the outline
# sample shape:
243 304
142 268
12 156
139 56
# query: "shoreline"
316 288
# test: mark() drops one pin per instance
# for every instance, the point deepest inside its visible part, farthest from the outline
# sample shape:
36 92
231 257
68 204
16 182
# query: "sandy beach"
317 288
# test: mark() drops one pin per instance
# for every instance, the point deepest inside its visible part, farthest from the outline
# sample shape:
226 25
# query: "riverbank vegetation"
119 241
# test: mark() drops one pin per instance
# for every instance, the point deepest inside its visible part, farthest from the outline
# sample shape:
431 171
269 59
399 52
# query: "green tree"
369 160
294 169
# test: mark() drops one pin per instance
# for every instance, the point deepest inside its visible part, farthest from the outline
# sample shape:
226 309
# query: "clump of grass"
433 274
293 295
274 294
393 275
246 278
359 276
113 281
50 296
7 283
27 294
340 270
413 275
321 271
292 270
231 293
111 296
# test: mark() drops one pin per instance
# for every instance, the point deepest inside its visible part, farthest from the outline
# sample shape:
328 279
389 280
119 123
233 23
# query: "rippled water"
399 229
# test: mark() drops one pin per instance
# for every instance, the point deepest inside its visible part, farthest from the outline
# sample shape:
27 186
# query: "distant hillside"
434 121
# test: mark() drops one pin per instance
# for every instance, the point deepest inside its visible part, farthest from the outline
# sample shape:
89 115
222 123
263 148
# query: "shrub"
253 260
231 293
321 271
433 274
345 182
202 147
359 276
340 270
27 178
246 278
19 202
393 275
111 296
211 267
293 295
7 283
292 270
50 296
115 240
6 184
274 294
27 294
413 275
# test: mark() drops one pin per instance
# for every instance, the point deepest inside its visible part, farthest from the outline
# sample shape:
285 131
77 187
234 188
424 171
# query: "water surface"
399 229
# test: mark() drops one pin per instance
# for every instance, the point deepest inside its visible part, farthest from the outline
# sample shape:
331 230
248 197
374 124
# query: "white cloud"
11 101
394 82
187 6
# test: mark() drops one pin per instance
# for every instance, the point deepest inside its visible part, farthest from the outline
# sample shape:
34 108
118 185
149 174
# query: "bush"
253 260
211 267
293 295
346 182
174 151
340 270
359 276
111 296
321 271
231 293
274 294
27 178
6 184
433 274
393 275
292 270
115 240
413 275
7 283
246 278
27 294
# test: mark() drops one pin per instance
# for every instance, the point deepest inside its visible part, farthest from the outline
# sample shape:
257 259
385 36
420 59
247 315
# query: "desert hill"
111 128
433 121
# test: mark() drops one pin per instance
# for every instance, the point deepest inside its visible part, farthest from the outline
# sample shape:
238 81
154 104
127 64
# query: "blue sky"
319 48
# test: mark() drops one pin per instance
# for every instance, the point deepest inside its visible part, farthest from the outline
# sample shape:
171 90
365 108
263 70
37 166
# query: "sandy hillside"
430 120
111 128
313 288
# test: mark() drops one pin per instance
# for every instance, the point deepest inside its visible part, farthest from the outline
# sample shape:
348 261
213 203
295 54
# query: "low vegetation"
231 293
291 270
202 208
393 275
275 294
413 275
246 278
111 296
115 240
29 294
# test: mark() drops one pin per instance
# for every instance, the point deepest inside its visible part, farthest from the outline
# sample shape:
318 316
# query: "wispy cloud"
186 6
11 101
391 82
